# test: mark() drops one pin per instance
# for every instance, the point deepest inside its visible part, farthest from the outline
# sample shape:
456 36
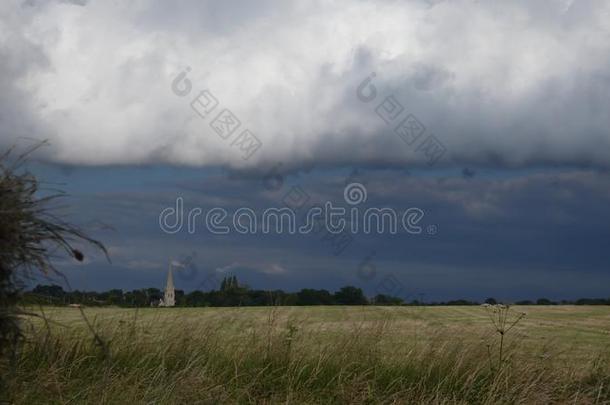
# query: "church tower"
169 297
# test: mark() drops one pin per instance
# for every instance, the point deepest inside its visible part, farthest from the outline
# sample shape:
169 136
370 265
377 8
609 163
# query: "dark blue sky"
511 234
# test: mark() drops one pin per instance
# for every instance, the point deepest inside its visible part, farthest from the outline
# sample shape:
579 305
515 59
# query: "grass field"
556 354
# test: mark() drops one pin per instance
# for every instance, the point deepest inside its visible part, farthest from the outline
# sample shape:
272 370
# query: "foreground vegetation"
330 354
30 234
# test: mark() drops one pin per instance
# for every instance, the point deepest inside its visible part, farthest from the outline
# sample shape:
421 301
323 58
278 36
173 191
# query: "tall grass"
232 358
30 236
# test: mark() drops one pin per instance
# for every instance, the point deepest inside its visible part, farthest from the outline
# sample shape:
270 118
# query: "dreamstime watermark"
298 199
336 219
368 270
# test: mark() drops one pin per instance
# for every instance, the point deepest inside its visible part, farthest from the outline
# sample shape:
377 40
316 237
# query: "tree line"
231 293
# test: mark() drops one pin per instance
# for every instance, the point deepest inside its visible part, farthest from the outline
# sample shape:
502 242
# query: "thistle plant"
503 321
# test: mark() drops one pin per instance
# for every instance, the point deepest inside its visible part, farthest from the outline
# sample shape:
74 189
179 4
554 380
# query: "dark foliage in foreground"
30 235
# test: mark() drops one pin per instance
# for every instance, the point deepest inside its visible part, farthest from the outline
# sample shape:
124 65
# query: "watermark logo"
354 194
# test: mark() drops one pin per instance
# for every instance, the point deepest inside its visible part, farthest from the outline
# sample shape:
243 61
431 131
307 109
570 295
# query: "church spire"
169 296
170 279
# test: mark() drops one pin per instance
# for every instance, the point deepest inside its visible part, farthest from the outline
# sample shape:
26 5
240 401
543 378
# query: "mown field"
555 354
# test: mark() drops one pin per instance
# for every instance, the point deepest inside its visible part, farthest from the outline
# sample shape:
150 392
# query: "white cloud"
264 268
273 268
228 268
519 83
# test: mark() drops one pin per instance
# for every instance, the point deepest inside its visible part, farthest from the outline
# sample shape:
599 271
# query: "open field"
556 354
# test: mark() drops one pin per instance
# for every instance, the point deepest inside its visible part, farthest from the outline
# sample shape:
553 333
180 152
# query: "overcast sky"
491 116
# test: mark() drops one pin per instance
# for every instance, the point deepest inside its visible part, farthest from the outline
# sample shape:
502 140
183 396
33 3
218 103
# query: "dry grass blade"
30 236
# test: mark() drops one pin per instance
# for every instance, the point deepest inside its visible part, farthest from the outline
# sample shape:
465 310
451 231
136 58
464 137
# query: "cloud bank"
522 83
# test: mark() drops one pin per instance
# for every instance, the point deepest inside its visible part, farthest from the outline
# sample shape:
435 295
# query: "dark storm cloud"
512 235
524 83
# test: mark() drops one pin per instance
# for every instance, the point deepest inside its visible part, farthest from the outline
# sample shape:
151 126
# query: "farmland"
332 354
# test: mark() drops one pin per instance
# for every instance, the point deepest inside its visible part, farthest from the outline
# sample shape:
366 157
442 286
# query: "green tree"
196 299
308 296
350 295
115 297
544 301
382 299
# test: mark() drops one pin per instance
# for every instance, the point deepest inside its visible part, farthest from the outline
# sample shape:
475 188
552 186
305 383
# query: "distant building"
169 296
